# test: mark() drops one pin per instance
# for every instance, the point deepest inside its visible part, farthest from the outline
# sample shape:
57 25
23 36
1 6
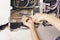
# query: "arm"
30 24
54 21
50 18
34 34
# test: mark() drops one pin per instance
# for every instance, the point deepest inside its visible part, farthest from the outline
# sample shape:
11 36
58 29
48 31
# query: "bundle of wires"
24 4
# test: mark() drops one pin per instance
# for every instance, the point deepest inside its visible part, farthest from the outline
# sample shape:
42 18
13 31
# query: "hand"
28 22
39 17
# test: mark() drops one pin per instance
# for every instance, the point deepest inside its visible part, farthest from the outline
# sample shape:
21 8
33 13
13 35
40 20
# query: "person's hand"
39 17
28 22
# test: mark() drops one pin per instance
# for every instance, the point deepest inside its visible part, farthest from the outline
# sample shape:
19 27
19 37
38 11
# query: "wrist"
32 27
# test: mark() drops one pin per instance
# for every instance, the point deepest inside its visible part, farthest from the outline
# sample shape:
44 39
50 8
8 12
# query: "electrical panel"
29 8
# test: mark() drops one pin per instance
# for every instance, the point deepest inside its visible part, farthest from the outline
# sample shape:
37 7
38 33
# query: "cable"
34 3
19 6
28 1
53 6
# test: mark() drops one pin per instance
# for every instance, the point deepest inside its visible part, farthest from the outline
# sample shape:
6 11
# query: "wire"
53 6
19 6
35 1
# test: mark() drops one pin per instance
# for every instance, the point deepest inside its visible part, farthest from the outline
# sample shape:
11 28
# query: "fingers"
38 18
27 21
24 19
34 17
